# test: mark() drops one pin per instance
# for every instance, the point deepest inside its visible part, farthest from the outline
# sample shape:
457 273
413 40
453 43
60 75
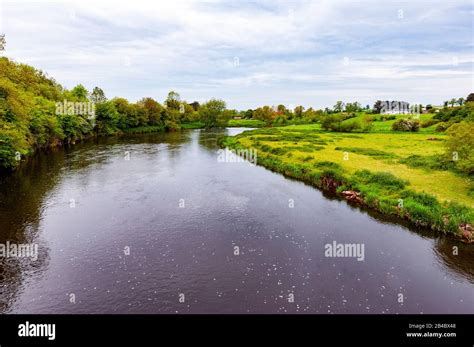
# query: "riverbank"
370 169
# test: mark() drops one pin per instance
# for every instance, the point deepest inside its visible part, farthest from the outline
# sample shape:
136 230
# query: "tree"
281 109
470 97
248 114
79 92
211 113
97 95
299 111
452 102
195 105
460 146
173 101
2 42
265 114
353 107
460 101
106 118
378 106
339 106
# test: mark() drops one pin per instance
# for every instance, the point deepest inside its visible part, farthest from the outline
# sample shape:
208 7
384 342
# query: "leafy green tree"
265 114
299 111
107 118
460 146
353 107
248 114
339 106
154 111
211 113
98 95
79 93
173 101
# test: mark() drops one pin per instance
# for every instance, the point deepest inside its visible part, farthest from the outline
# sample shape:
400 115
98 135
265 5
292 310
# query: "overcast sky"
250 53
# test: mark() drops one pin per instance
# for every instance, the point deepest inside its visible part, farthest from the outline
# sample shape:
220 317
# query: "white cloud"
287 51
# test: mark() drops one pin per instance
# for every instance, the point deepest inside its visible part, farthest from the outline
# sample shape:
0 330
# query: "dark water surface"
134 204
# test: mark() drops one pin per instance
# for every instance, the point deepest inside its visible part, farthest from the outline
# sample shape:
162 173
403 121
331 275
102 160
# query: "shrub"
429 123
406 125
442 126
460 146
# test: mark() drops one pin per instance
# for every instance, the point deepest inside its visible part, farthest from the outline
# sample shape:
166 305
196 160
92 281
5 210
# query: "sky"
250 53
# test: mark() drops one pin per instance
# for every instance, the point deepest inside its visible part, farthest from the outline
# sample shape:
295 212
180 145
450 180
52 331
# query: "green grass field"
370 163
246 123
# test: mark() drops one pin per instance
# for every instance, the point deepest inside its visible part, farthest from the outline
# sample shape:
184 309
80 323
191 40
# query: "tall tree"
378 106
211 113
2 42
173 101
98 95
339 106
80 92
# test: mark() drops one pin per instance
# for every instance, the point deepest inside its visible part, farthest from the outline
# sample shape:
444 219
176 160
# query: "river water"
156 224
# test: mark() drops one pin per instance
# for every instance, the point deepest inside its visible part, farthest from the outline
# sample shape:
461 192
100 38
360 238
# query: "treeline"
37 112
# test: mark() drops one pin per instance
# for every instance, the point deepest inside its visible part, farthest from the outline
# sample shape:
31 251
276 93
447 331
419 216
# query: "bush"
429 123
460 146
406 125
442 126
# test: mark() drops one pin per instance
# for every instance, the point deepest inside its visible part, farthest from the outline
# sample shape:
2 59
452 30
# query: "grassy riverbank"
394 173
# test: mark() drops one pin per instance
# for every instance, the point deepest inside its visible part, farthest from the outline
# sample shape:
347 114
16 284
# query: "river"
156 224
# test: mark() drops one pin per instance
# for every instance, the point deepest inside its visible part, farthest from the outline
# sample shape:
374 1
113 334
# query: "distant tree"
378 106
461 142
211 113
153 109
339 106
248 114
106 117
445 103
470 97
97 95
299 111
173 101
281 109
195 105
452 102
2 42
265 113
353 107
460 101
80 92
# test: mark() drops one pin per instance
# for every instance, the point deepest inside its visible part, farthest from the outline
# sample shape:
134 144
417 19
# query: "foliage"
212 113
406 125
460 146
